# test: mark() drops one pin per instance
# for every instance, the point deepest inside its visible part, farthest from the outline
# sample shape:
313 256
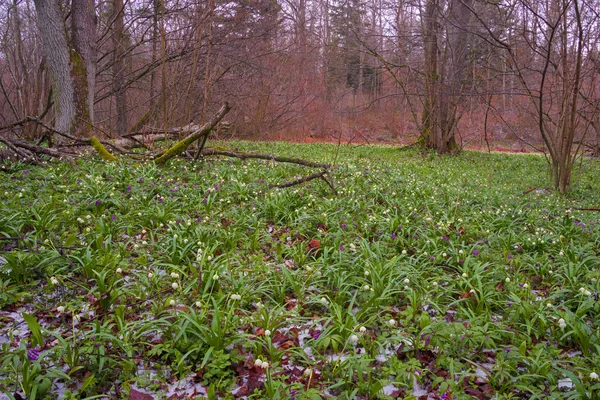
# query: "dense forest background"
509 74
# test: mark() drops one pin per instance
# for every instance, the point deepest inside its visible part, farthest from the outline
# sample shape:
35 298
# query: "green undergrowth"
450 277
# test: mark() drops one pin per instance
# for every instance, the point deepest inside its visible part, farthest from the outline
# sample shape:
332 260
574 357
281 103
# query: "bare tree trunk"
83 63
52 30
119 67
71 63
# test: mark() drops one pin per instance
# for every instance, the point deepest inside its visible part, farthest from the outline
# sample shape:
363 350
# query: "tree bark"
71 63
54 39
118 40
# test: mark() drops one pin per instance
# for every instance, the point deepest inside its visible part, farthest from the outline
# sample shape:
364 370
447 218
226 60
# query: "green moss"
175 150
105 154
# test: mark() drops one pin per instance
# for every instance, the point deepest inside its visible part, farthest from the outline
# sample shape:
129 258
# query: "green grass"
425 274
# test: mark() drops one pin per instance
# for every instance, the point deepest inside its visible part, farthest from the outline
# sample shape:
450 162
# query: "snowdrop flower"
215 277
507 280
366 287
464 275
525 286
174 275
264 365
119 271
54 281
435 284
562 323
444 254
236 296
362 329
174 285
307 372
88 216
585 291
81 221
209 258
460 252
407 281
367 273
198 304
392 322
594 376
324 301
150 275
60 309
404 251
171 302
353 339
267 333
561 253
258 363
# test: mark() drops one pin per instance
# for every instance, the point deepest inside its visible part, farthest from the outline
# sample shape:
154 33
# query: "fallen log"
183 144
324 174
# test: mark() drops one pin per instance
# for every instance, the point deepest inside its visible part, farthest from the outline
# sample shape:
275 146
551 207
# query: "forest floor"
424 277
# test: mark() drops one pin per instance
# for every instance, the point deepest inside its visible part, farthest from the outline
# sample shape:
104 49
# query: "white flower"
434 283
460 252
215 277
171 302
198 304
267 333
324 301
258 363
561 253
367 273
525 286
150 275
594 376
362 329
81 221
444 254
464 275
119 271
562 323
353 339
392 322
174 285
307 372
264 365
174 275
88 216
548 304
236 296
54 281
407 281
507 280
404 251
60 309
366 287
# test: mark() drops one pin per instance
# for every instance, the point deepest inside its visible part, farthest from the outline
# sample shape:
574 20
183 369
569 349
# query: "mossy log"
183 144
105 154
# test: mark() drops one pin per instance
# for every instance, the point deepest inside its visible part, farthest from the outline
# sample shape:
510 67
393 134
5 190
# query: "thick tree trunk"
71 63
83 63
119 67
52 30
